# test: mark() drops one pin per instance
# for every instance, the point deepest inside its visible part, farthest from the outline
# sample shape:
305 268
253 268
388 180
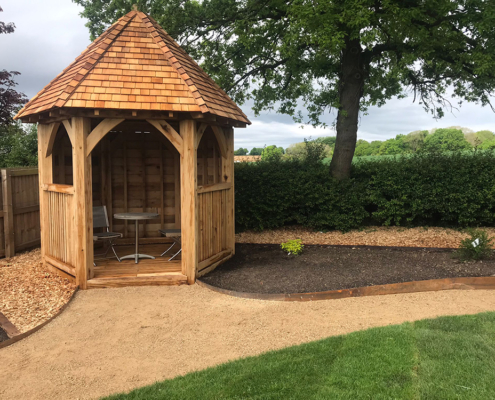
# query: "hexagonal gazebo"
136 125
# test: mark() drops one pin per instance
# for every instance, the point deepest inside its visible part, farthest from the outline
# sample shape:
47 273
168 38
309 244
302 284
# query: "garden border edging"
459 283
23 335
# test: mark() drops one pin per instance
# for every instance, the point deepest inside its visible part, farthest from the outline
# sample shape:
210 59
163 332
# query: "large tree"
305 57
10 99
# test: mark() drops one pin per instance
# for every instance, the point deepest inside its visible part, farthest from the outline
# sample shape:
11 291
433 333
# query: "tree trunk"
351 82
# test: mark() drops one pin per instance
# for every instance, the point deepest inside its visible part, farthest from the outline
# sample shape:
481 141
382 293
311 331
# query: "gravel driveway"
112 340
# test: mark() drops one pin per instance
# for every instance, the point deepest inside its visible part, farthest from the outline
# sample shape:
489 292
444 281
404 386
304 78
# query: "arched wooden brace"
53 129
68 127
199 134
222 142
100 131
169 132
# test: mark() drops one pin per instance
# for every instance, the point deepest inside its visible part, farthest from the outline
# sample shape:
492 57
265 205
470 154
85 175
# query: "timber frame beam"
222 142
170 133
100 131
53 129
199 134
68 127
60 114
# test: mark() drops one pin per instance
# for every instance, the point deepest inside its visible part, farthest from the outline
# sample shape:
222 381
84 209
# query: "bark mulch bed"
370 236
265 268
30 294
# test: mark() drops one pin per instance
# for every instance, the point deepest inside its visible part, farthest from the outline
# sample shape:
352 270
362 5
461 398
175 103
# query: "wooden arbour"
136 125
206 193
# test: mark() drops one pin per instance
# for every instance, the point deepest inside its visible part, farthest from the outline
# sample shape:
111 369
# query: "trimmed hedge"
456 190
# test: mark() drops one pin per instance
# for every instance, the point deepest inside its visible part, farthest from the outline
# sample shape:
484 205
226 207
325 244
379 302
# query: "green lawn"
444 358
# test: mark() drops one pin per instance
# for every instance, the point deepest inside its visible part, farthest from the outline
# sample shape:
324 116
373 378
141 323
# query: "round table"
136 216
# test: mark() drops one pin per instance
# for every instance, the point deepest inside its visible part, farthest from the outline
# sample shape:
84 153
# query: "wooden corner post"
229 173
81 128
189 209
8 214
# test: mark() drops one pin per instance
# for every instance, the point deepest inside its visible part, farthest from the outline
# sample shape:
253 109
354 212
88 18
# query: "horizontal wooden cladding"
209 265
433 285
215 187
23 210
137 172
213 259
22 171
168 279
58 188
69 269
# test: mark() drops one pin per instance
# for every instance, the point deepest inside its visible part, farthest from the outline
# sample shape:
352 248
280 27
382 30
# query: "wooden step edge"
167 279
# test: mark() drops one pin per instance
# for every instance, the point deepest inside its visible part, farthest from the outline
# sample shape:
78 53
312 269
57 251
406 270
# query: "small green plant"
475 247
293 247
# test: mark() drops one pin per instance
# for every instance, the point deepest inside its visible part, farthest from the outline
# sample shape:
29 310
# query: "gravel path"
112 340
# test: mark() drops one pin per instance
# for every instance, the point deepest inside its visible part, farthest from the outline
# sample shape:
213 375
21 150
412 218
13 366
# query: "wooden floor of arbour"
160 271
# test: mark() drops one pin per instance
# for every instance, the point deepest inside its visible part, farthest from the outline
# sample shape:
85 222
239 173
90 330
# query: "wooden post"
45 176
8 214
189 209
228 175
81 127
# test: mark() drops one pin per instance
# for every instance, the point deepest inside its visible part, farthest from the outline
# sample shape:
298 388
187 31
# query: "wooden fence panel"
2 229
20 216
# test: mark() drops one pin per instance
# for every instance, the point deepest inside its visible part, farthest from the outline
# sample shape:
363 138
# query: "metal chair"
100 220
175 235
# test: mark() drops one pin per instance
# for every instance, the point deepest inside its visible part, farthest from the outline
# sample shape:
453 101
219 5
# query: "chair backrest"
100 217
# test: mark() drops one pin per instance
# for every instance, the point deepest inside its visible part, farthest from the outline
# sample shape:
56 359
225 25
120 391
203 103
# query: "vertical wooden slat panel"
109 186
60 230
162 188
124 154
143 163
177 190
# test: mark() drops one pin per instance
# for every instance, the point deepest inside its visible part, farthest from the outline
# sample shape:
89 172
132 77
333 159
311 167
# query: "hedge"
455 190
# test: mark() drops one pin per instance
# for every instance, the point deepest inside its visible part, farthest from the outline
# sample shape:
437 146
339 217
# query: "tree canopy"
18 146
331 54
10 99
272 153
240 151
256 151
446 140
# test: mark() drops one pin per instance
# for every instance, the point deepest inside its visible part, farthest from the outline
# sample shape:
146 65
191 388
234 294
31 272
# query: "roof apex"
134 65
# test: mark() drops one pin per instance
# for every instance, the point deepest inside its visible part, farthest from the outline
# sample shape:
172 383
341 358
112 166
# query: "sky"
50 34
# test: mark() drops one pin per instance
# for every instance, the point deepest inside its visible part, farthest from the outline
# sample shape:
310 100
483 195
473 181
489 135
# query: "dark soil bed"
3 335
265 268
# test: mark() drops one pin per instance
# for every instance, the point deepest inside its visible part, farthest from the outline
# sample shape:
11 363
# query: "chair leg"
175 255
114 252
165 252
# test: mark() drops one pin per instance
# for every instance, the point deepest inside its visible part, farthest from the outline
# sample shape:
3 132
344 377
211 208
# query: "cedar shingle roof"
135 65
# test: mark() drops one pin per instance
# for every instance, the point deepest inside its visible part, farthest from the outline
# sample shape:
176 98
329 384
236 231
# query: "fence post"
8 214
